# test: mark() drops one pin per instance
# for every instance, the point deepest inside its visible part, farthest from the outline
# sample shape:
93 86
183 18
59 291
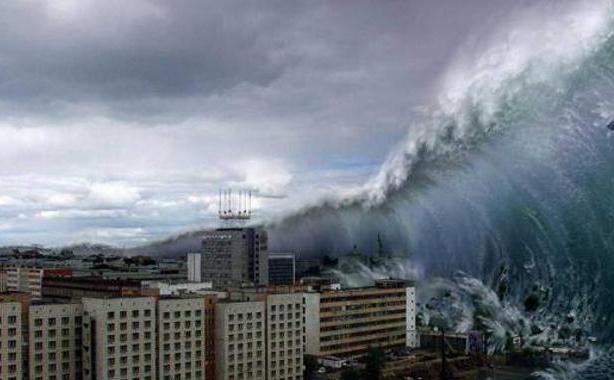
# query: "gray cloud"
167 101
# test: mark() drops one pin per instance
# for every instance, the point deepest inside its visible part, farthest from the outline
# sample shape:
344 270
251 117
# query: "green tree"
350 374
374 363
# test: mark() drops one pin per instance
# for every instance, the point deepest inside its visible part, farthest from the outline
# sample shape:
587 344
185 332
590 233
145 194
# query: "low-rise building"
75 288
30 279
166 288
348 322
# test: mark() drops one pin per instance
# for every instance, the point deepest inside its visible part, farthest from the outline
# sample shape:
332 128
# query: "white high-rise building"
195 267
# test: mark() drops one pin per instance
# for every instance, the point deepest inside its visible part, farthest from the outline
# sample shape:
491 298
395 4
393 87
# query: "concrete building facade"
119 338
240 341
55 341
11 341
30 279
210 302
284 319
75 288
348 322
233 257
181 339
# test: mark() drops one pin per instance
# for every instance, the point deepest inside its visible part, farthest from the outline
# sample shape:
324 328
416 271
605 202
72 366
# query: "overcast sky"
120 120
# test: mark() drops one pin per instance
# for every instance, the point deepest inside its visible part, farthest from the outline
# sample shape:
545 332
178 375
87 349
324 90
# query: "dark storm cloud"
119 120
165 50
147 56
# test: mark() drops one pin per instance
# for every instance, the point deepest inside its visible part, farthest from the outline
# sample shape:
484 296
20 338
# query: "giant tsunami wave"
508 180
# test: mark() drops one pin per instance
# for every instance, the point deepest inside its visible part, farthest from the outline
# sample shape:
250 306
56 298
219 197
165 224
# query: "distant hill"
87 249
82 249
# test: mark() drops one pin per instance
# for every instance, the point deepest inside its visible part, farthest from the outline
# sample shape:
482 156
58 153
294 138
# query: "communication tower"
235 208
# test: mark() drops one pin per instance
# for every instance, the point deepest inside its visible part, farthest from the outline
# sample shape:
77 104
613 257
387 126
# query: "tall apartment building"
348 322
284 319
282 268
240 341
194 267
233 257
55 341
260 336
11 341
119 338
30 279
181 339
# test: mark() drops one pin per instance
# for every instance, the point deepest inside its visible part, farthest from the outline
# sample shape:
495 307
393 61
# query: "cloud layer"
119 121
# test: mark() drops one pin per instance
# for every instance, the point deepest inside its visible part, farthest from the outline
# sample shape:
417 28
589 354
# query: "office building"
55 341
348 322
11 340
234 257
281 268
284 319
119 338
30 279
181 338
194 267
240 341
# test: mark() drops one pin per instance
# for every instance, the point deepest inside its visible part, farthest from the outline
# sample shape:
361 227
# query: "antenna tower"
235 208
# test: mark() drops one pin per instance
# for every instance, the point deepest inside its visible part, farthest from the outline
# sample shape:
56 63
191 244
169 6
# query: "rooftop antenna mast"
234 210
